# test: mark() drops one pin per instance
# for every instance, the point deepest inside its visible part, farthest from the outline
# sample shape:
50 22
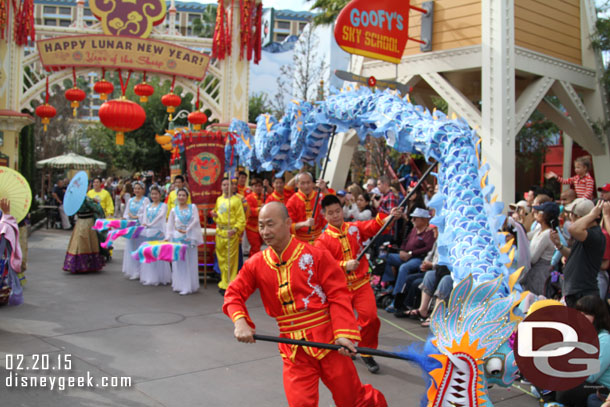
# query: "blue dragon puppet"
469 347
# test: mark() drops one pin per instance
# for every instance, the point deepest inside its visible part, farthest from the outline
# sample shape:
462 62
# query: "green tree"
327 10
205 26
257 105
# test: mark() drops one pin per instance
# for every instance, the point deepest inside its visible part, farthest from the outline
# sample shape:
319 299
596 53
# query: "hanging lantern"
171 100
46 111
197 118
75 95
103 87
144 90
122 115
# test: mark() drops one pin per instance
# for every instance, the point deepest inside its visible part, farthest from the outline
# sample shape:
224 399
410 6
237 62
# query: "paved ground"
177 350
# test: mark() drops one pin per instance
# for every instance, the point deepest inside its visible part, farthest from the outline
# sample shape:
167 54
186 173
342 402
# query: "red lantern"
197 118
372 81
144 90
172 101
104 88
75 95
45 112
122 115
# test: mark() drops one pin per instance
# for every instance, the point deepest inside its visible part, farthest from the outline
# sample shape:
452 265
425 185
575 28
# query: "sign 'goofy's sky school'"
375 29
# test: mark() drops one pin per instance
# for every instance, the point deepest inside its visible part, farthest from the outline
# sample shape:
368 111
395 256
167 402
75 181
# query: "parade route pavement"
176 350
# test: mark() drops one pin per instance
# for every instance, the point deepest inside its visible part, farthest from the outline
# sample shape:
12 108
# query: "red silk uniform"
243 191
305 291
275 197
345 245
254 238
300 208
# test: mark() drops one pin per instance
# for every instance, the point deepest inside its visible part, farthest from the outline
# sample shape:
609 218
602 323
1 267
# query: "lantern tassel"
120 138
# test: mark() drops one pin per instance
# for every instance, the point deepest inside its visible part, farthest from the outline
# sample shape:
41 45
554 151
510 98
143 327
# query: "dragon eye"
493 366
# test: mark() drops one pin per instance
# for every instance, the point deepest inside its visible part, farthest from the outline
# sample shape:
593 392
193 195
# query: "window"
280 37
282 25
302 27
88 12
65 11
65 23
49 10
50 21
193 17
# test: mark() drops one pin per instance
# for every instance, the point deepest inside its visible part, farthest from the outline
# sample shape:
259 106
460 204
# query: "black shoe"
370 363
221 291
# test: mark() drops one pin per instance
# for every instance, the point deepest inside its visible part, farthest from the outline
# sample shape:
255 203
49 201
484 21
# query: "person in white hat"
586 254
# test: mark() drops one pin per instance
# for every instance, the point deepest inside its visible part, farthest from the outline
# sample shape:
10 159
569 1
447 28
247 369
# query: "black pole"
404 201
361 350
315 205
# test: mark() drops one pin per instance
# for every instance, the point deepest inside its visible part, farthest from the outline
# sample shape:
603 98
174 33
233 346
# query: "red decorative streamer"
24 22
4 10
219 46
124 86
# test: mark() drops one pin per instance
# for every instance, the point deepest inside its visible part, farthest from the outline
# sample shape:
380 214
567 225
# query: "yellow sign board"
113 52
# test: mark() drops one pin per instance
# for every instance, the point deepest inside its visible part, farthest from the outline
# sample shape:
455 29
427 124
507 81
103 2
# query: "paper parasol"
17 190
76 193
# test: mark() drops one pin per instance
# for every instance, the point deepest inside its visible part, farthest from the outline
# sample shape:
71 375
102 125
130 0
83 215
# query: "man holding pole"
344 241
307 225
230 223
305 291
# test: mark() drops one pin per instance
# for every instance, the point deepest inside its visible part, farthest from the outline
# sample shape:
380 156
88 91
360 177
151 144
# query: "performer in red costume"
242 188
300 208
305 291
344 241
281 193
255 203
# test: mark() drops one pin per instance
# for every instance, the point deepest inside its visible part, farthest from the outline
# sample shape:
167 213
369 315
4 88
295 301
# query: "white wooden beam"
578 113
568 126
498 94
529 99
539 64
454 98
456 59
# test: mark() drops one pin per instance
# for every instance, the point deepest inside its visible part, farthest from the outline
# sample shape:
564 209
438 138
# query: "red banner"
205 159
374 29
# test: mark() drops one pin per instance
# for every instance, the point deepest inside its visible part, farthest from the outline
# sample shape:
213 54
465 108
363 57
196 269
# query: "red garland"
219 46
229 30
258 33
4 9
24 23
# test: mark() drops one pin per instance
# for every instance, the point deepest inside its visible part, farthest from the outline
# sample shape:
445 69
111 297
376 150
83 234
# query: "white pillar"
498 94
235 76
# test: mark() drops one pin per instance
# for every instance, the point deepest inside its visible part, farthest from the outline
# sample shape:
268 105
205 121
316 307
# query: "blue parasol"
76 193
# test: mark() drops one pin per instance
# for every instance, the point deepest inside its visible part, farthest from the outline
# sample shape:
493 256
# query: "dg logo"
557 348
